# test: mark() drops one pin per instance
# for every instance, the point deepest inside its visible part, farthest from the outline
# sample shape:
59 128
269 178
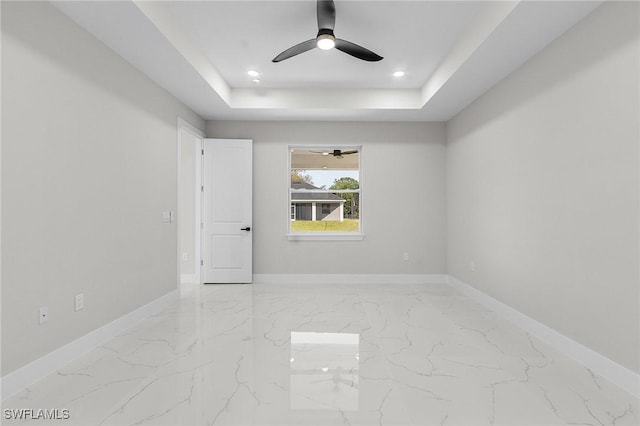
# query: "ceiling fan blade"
295 50
354 151
357 51
326 15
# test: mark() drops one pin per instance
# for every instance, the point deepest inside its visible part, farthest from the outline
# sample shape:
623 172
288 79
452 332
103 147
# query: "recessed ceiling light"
256 80
398 74
253 73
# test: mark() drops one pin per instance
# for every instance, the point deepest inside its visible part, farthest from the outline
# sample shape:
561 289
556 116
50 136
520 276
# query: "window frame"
326 235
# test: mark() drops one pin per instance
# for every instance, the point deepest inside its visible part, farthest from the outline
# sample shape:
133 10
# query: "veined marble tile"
326 355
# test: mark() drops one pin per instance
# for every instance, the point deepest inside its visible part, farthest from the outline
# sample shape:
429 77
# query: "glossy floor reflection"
327 355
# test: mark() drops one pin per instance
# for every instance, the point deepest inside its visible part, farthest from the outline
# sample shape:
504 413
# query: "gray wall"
88 165
399 160
543 186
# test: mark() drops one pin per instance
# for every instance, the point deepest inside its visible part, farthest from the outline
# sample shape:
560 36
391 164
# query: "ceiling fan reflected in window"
337 153
326 13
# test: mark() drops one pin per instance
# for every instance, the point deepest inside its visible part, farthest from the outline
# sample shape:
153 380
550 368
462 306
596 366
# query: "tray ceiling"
450 51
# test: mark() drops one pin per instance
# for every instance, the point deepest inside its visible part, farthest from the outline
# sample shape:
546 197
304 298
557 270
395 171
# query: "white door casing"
189 199
227 210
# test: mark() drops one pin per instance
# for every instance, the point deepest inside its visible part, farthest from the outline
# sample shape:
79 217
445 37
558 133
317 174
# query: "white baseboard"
605 367
23 377
349 279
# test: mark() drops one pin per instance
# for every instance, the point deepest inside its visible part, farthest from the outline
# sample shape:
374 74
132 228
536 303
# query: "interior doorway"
189 202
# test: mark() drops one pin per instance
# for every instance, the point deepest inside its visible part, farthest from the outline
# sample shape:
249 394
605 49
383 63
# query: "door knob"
248 228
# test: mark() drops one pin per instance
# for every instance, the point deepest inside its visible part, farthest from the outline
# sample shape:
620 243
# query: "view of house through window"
325 190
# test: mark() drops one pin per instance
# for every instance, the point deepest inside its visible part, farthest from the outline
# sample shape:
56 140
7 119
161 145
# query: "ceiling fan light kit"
325 40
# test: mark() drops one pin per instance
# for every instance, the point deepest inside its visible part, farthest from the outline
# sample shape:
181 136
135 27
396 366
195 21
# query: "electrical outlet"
79 301
472 265
405 256
185 256
43 315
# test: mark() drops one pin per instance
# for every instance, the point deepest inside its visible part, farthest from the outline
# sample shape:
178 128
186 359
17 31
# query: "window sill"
325 236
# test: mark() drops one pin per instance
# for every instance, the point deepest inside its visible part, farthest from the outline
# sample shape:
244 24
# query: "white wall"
88 164
403 197
543 186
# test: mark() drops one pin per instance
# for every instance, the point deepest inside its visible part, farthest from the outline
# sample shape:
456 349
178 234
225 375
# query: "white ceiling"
451 51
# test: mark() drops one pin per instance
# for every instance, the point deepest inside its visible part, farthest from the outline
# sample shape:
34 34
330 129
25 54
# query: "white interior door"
227 189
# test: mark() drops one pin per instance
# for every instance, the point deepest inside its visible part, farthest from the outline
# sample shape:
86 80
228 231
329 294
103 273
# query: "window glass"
324 190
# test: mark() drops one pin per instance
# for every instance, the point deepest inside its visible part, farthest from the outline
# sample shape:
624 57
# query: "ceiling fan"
325 40
337 153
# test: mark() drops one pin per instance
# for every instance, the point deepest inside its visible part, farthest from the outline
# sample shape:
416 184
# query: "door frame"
183 125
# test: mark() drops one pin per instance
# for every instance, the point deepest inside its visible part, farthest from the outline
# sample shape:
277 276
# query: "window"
324 193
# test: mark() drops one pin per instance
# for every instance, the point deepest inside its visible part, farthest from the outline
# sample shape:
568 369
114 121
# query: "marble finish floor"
326 355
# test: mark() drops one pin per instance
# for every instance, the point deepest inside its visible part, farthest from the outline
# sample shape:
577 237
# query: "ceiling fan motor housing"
325 31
